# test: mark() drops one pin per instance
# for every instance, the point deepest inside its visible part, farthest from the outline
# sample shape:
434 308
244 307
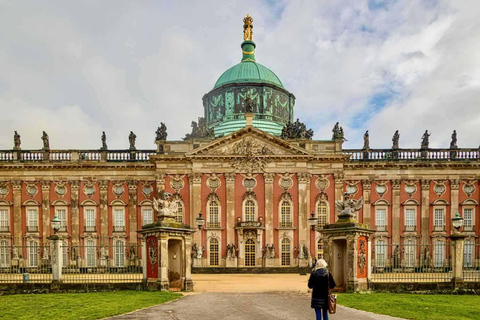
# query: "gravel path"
243 306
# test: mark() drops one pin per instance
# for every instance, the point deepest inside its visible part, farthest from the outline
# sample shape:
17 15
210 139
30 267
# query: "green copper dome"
248 72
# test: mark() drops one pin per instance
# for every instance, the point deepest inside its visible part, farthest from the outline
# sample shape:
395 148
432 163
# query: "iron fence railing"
411 262
471 261
25 264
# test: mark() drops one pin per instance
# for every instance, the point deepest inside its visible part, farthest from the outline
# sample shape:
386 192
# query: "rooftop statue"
248 28
366 141
453 144
296 130
395 139
16 141
425 141
338 133
104 141
46 142
348 207
131 139
200 130
161 132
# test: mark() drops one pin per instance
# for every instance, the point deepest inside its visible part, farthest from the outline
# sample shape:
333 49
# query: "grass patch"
415 306
83 306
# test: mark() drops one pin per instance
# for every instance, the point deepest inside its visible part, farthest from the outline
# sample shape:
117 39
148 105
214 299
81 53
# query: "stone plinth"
231 262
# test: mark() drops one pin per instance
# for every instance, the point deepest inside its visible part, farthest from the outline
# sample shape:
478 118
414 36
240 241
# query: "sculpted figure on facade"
453 143
200 130
366 141
161 132
338 133
249 105
231 251
395 139
46 142
348 207
296 130
425 140
16 141
131 138
165 206
200 252
248 28
104 141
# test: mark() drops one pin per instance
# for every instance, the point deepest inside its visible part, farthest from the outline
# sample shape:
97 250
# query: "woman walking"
321 281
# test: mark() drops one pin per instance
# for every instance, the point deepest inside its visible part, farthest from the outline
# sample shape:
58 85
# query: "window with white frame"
180 210
213 214
90 219
119 253
439 253
4 220
62 216
147 215
468 216
32 249
214 254
439 219
410 219
4 254
380 253
381 219
32 219
468 253
286 248
119 219
249 209
285 214
321 213
91 253
409 249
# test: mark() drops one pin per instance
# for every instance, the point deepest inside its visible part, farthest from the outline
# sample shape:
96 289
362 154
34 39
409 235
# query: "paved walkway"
243 306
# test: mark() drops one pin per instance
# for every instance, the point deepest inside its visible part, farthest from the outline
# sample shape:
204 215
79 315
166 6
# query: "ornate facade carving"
269 177
367 184
454 184
230 177
304 177
425 184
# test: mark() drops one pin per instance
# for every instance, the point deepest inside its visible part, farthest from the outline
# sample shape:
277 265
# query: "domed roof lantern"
248 46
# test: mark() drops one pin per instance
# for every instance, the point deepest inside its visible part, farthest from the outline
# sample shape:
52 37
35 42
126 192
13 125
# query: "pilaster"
17 212
163 262
339 178
367 190
303 190
103 213
196 195
45 209
269 177
230 207
425 208
454 205
132 210
396 211
74 186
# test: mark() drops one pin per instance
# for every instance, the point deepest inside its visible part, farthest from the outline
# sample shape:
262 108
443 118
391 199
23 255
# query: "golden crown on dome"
248 28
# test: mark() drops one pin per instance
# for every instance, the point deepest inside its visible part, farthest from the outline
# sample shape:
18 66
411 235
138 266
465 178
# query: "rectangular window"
381 221
213 214
32 220
409 253
439 257
285 215
4 254
33 254
322 214
410 221
119 223
147 214
380 251
468 254
65 253
62 216
119 254
90 219
468 219
438 221
90 252
4 221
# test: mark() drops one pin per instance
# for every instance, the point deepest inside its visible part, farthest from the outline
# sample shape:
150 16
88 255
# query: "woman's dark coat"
319 283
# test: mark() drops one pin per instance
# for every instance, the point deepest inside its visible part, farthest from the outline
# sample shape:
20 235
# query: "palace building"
255 175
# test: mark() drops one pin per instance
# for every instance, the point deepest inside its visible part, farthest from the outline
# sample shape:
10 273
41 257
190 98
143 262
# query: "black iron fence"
25 264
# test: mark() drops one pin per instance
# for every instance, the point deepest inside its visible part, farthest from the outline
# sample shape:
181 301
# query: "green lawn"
78 305
415 306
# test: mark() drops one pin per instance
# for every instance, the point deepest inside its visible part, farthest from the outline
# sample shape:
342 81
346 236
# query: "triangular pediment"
249 141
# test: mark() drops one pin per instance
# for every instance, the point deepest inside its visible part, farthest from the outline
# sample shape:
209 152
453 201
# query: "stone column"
163 262
425 211
303 228
188 286
144 258
132 211
196 195
367 190
230 207
45 209
17 212
396 211
269 227
454 205
458 241
103 228
75 213
338 188
57 258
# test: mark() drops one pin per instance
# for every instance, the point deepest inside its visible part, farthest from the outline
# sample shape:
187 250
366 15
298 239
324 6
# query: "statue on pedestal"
161 132
453 143
395 139
366 141
348 207
104 141
46 142
16 141
131 139
165 207
425 141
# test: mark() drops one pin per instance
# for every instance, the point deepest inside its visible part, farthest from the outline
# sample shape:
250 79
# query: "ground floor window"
213 252
250 253
90 249
286 247
380 253
32 249
439 257
4 254
468 254
409 253
119 253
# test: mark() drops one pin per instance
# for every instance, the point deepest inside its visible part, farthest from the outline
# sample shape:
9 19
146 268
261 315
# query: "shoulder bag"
332 298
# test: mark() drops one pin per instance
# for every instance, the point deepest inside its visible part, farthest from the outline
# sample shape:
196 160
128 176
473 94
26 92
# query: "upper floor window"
147 215
249 208
62 216
119 219
285 214
90 219
381 219
468 219
180 210
32 219
439 219
410 219
213 214
321 213
4 220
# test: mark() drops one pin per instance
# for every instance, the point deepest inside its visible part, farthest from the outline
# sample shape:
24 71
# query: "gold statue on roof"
248 28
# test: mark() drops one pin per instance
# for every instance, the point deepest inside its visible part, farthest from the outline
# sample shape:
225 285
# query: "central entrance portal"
250 250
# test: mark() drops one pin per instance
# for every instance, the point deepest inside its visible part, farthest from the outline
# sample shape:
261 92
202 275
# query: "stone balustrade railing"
412 154
75 155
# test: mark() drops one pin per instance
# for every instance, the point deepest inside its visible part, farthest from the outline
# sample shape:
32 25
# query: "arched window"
320 249
286 247
249 207
213 214
119 253
322 213
4 254
180 210
250 253
214 252
90 253
285 214
32 253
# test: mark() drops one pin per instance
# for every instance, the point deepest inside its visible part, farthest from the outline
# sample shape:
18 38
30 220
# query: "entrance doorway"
175 263
250 249
339 260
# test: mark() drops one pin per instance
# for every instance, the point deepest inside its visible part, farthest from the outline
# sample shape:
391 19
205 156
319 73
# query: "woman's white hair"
321 264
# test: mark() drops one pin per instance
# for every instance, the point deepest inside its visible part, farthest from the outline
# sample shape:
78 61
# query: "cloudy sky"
76 68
